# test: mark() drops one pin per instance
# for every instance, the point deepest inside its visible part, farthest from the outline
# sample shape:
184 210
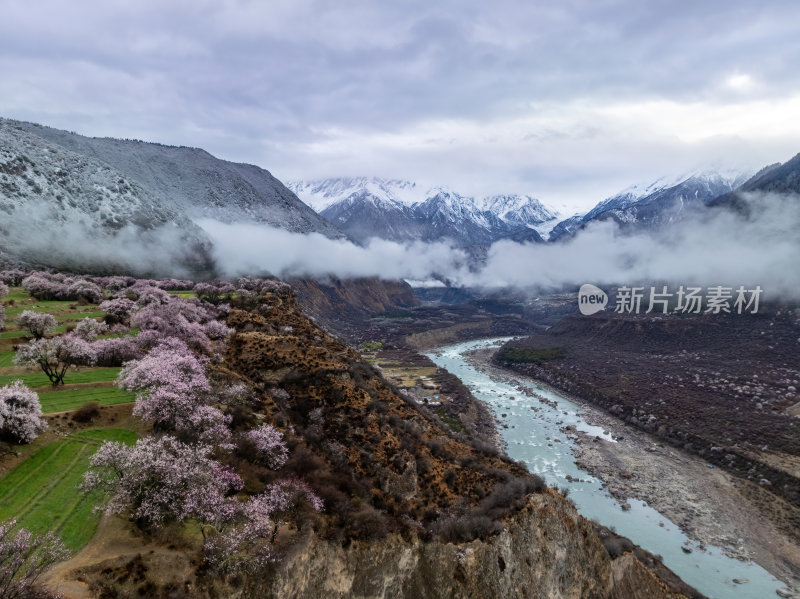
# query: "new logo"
591 299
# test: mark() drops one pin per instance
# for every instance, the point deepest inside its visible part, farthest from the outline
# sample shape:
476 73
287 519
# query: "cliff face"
545 551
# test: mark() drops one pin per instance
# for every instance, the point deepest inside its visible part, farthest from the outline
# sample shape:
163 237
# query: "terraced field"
61 401
82 385
42 494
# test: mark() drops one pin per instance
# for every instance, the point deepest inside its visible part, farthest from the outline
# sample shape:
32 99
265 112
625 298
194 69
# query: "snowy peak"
665 200
522 209
401 210
325 193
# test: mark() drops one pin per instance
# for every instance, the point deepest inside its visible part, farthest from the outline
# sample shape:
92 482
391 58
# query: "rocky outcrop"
545 551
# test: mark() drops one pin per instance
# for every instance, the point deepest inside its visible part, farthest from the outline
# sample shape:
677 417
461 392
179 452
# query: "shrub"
465 528
524 355
87 412
616 546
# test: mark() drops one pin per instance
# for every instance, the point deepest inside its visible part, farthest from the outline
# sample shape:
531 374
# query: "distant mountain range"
662 202
75 202
399 210
366 207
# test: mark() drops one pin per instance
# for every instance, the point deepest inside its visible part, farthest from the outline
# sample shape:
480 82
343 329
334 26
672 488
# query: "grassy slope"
98 381
41 493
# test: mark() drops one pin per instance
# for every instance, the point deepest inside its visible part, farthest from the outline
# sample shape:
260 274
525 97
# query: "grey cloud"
722 249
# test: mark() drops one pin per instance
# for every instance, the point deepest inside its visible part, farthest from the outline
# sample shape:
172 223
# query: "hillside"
656 204
97 216
128 206
411 507
193 182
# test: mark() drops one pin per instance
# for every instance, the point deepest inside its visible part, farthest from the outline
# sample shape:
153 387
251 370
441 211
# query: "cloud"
257 249
722 248
39 234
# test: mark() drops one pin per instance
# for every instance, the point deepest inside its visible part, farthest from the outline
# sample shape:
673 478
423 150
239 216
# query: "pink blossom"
118 310
23 559
55 356
89 330
217 330
161 479
269 443
38 323
116 350
20 413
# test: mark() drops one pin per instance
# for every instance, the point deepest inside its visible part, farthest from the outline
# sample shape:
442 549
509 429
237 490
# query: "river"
534 437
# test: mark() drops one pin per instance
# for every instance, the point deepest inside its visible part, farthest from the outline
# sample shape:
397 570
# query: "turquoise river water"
534 437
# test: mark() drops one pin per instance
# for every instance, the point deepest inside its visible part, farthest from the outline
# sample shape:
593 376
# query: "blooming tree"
23 559
13 276
2 318
175 393
115 283
3 290
116 351
217 329
162 480
20 414
37 323
43 286
83 290
214 292
248 544
118 310
269 445
89 329
178 318
55 356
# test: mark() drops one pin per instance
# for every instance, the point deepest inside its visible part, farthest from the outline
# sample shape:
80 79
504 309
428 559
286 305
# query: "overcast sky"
568 100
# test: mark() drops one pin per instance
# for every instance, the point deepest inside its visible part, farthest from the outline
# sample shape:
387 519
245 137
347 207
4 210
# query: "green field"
61 401
85 375
41 493
6 359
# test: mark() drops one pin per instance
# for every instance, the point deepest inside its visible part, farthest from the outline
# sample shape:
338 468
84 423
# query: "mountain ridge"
397 210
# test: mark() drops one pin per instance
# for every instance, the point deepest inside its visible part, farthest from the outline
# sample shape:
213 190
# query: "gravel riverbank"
707 503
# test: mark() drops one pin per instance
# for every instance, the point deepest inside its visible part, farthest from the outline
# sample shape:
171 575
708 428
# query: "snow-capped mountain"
327 192
65 210
74 202
664 201
193 182
399 210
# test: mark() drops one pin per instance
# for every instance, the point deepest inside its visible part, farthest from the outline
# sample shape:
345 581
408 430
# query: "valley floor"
711 506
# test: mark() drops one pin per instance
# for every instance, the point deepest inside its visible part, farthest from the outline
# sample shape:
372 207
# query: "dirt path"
708 504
